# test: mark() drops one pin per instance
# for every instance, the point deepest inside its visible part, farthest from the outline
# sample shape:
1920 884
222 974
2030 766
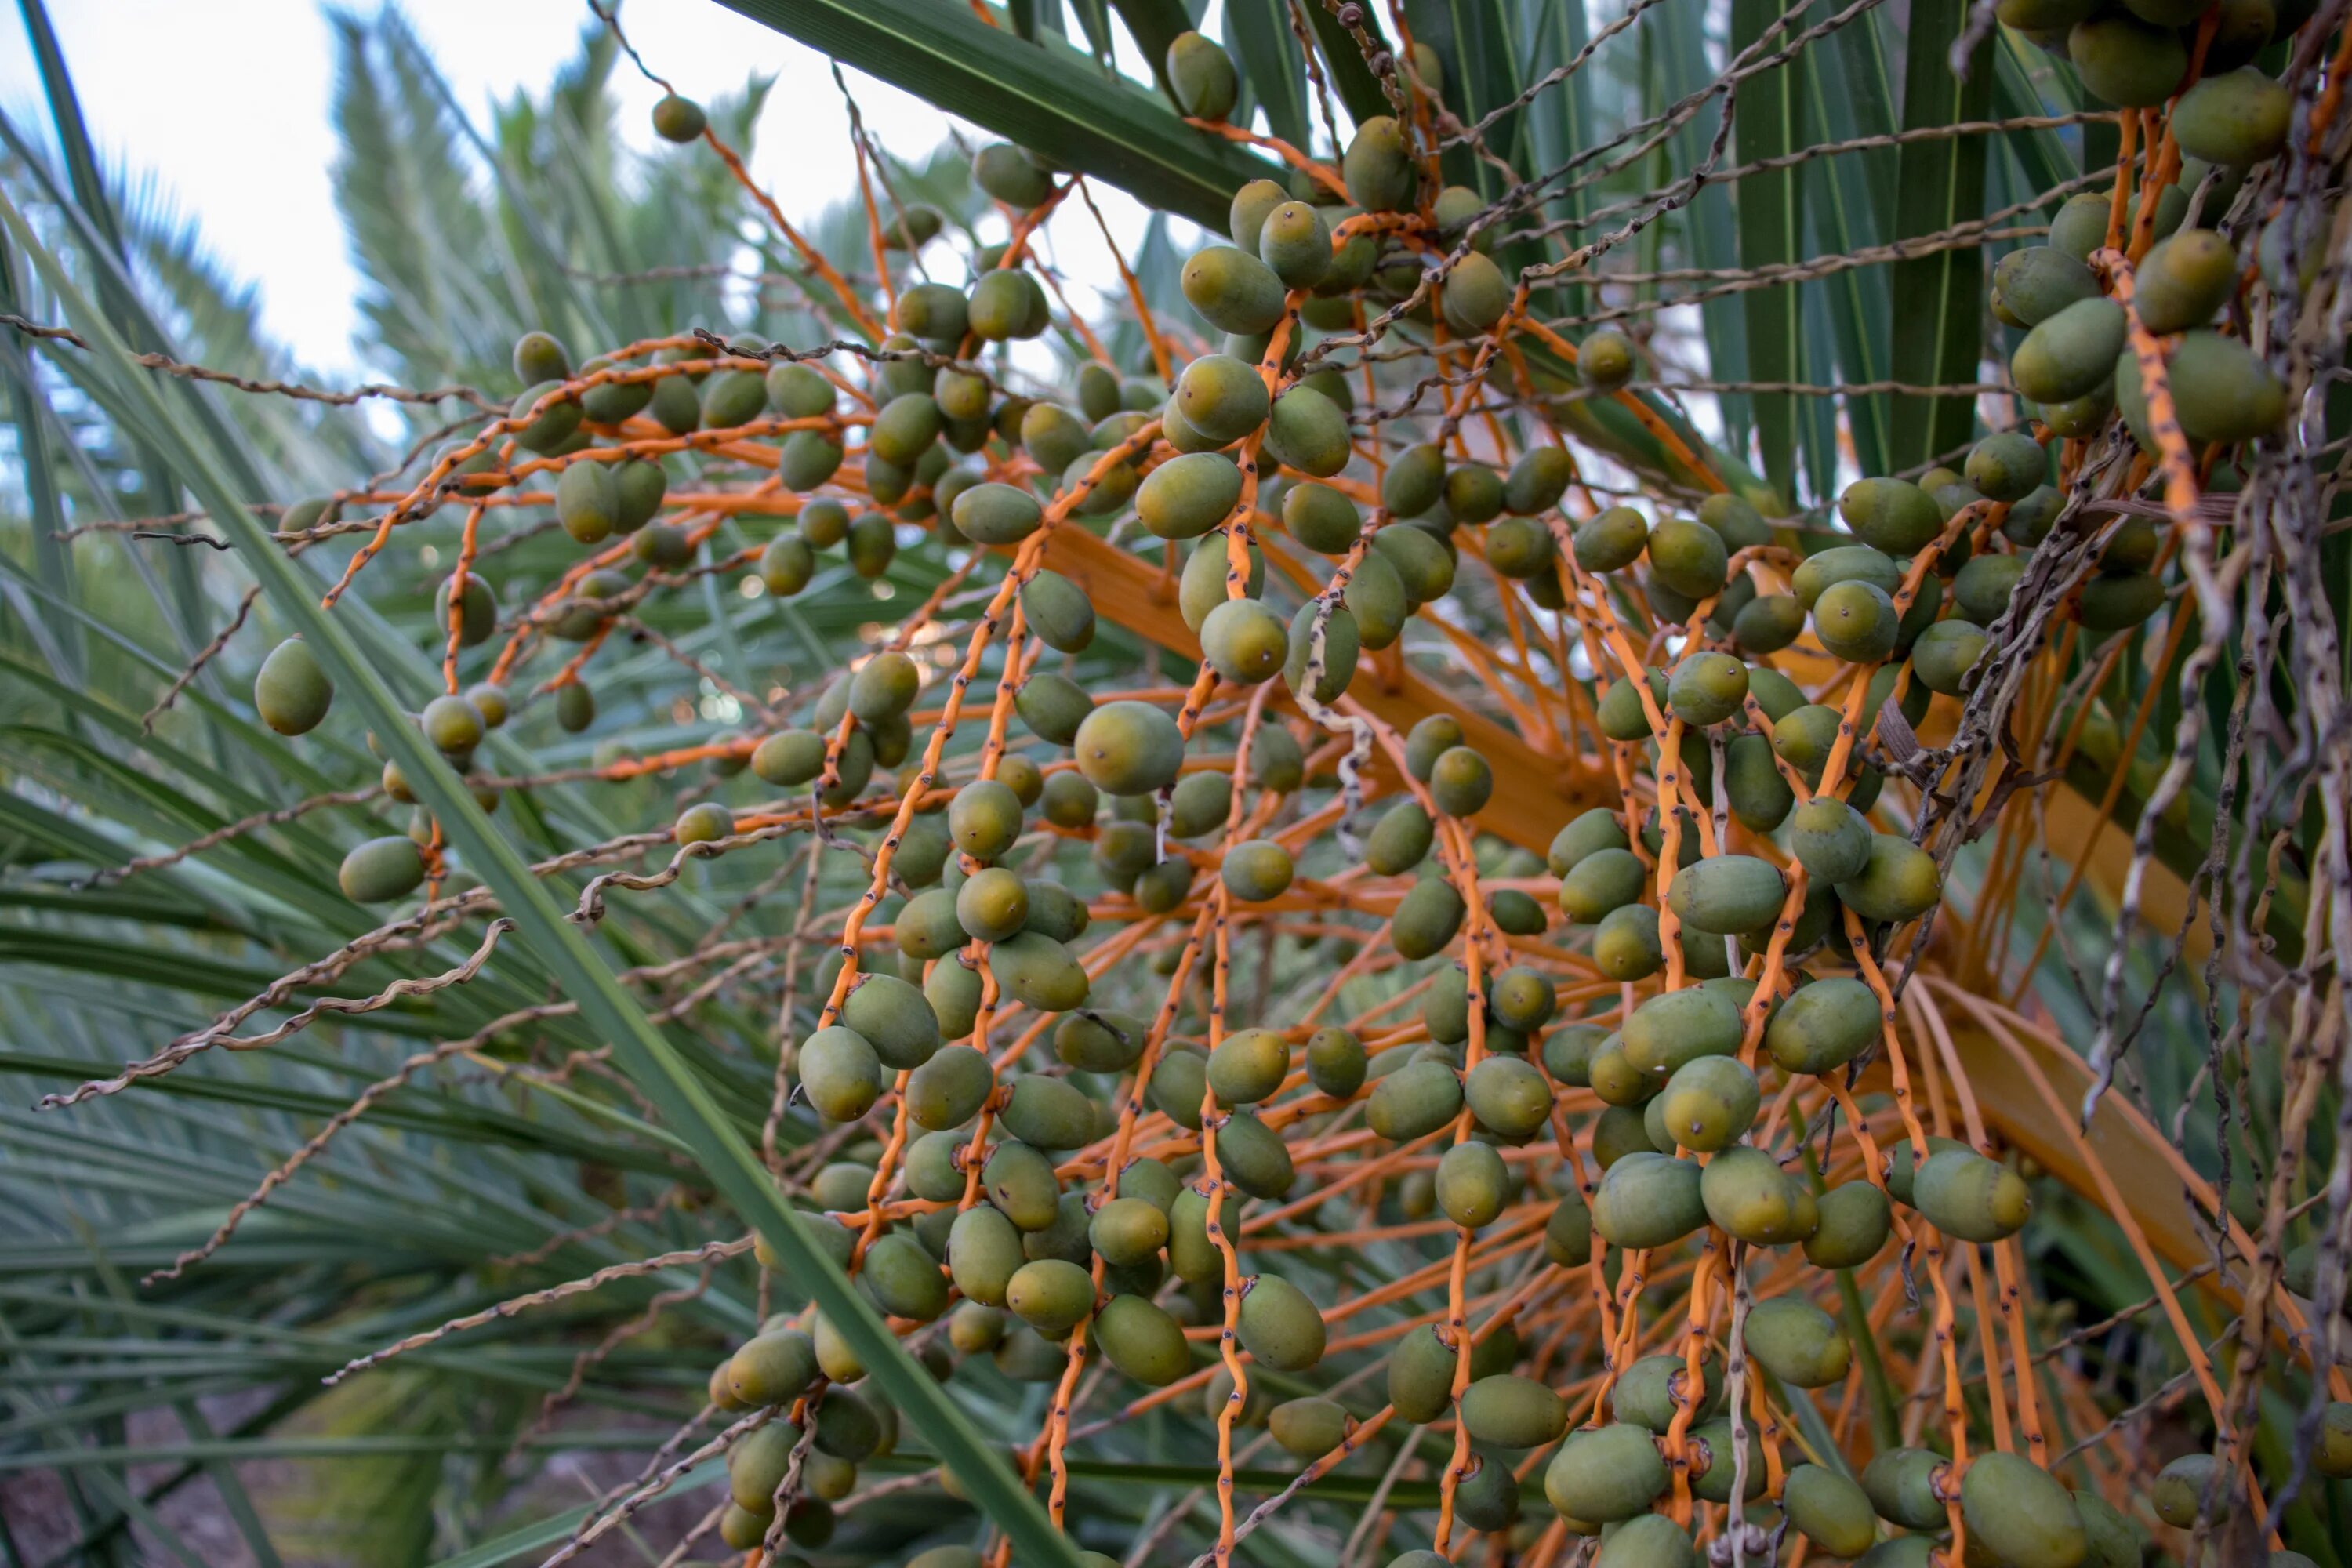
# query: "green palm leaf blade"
1937 333
2041 153
1817 415
93 202
1849 205
1154 25
1560 124
60 640
1767 122
1094 20
1709 228
1259 32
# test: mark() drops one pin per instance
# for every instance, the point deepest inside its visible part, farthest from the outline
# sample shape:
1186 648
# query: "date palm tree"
406 1227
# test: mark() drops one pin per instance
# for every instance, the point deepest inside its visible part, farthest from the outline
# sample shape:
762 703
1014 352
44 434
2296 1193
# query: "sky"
225 102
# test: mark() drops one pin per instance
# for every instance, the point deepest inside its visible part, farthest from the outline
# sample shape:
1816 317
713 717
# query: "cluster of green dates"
1012 1271
1882 878
1604 1480
1285 231
1018 1257
1847 594
1854 593
292 693
1672 1085
1410 562
2136 55
931 405
2076 361
835 762
1002 1256
596 502
846 1423
1008 1271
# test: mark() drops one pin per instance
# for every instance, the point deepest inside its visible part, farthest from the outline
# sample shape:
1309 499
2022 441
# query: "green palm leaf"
1939 331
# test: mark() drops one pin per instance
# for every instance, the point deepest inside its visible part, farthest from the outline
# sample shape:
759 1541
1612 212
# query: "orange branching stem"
2117 210
873 212
1144 320
1213 1184
1667 436
1321 174
2331 94
468 546
811 257
1929 1242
